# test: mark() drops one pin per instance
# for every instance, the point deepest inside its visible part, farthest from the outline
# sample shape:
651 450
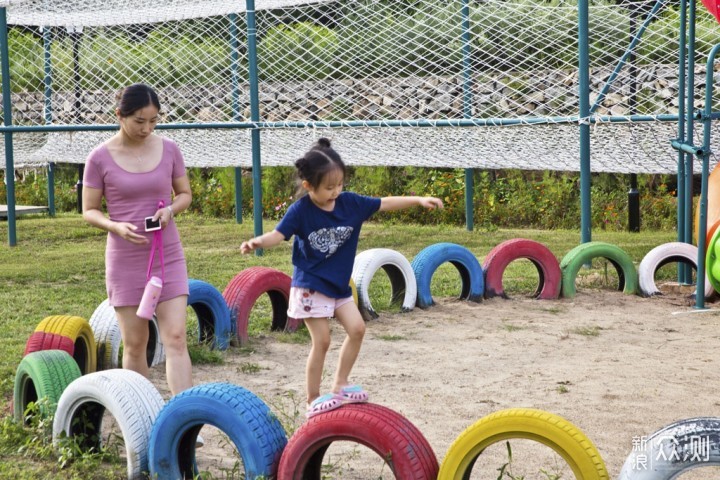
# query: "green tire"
712 262
583 253
43 374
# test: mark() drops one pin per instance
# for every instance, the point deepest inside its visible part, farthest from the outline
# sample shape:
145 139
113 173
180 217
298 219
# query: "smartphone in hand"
151 225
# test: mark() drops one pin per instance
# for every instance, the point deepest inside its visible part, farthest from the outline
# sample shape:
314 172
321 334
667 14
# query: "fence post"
7 121
584 119
47 93
235 96
467 109
254 117
686 276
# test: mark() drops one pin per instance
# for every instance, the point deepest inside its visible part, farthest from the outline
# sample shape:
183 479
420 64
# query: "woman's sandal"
353 394
324 403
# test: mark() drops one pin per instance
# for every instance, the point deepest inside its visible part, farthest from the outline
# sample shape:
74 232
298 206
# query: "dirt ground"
618 367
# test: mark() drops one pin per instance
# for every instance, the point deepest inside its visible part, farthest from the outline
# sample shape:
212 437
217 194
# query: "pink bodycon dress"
130 197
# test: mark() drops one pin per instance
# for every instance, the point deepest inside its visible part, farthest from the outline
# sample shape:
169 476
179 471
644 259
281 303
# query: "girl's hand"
250 245
431 203
127 232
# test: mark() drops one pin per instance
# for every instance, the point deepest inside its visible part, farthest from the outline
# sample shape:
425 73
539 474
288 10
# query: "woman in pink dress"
133 171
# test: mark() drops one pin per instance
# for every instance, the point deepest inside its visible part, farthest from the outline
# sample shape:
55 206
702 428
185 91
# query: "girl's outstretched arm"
399 203
266 240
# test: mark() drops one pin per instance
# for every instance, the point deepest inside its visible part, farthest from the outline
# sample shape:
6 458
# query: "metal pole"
254 117
689 116
75 36
584 120
682 72
633 193
467 109
702 221
47 93
7 121
235 99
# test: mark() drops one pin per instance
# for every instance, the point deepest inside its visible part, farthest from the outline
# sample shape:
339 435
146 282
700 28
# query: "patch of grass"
512 328
249 368
390 337
587 331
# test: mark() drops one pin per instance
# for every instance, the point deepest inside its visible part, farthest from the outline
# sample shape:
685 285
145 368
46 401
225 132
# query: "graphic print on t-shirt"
329 239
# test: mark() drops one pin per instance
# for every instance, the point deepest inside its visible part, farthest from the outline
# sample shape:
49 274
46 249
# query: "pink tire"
500 257
39 341
246 287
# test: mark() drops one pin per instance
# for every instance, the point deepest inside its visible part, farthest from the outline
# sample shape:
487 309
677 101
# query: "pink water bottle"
150 298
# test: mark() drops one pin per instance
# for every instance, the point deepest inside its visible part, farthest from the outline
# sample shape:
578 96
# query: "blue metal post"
47 93
467 109
254 117
7 121
686 277
584 118
682 72
702 221
235 99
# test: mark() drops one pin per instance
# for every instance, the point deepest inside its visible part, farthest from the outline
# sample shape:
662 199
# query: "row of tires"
223 318
159 437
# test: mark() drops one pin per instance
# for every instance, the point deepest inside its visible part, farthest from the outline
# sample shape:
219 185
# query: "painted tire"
39 341
42 374
583 253
430 258
246 287
106 330
661 255
398 269
502 255
78 330
243 417
384 431
675 449
212 312
131 399
712 265
523 423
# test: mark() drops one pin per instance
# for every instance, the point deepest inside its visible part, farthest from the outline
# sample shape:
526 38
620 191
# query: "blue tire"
430 258
243 417
212 312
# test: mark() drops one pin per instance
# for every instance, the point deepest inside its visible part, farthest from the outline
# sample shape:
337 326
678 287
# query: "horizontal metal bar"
464 122
687 148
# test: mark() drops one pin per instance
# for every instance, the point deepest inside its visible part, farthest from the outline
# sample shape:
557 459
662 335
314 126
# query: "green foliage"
502 198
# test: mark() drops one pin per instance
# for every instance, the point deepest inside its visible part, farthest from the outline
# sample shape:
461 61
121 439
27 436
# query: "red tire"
389 434
39 341
246 287
500 257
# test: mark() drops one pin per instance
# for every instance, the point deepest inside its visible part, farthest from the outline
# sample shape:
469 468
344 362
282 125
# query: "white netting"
358 61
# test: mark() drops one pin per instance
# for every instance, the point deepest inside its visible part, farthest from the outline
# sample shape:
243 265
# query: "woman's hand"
126 231
164 215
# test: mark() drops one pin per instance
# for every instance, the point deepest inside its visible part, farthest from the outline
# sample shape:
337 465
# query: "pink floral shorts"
306 303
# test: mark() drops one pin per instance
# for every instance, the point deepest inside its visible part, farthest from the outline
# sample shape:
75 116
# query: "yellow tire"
354 291
79 331
523 423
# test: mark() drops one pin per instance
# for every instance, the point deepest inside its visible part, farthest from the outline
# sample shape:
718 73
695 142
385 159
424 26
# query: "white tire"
398 269
661 255
675 449
106 330
131 399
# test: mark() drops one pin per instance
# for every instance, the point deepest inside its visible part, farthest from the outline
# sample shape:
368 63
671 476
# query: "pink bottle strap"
157 244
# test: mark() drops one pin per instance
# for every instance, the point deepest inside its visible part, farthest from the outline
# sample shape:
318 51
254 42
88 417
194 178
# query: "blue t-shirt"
326 242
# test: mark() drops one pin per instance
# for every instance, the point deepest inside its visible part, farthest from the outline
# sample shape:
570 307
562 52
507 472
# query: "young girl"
326 223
